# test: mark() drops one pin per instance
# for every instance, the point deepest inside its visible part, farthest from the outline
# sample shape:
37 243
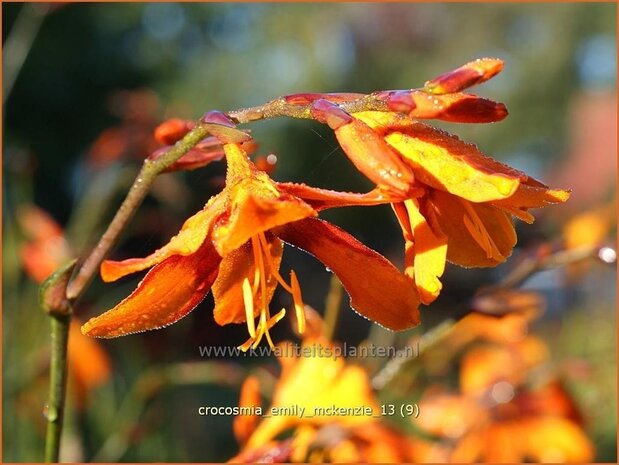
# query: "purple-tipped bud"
329 113
217 117
401 101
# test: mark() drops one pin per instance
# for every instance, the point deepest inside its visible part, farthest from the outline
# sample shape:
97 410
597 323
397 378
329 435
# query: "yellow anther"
248 300
297 298
478 231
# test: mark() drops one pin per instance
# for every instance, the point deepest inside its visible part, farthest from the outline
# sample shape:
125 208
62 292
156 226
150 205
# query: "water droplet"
51 414
607 255
504 186
328 270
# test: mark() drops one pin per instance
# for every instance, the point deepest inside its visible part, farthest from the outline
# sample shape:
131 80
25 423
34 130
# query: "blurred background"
85 84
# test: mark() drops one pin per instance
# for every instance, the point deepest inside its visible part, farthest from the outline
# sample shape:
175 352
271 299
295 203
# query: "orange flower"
498 418
89 365
590 228
326 383
452 202
46 247
234 246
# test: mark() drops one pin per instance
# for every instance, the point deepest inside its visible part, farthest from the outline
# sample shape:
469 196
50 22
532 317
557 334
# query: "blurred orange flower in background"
310 384
45 250
89 365
498 415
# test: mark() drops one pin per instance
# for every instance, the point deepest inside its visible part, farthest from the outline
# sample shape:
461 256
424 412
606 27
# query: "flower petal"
172 130
378 290
167 293
244 425
534 196
365 148
234 268
256 210
468 75
555 439
478 234
444 162
186 242
321 199
429 253
457 108
450 415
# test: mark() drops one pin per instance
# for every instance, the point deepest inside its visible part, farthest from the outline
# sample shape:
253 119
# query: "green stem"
57 386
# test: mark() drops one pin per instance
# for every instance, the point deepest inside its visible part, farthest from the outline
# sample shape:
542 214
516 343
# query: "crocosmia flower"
453 202
234 247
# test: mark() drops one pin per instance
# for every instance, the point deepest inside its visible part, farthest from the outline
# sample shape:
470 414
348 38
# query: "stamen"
263 275
246 345
255 247
262 256
248 300
277 317
403 218
261 329
481 240
297 298
478 231
272 321
269 340
274 269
